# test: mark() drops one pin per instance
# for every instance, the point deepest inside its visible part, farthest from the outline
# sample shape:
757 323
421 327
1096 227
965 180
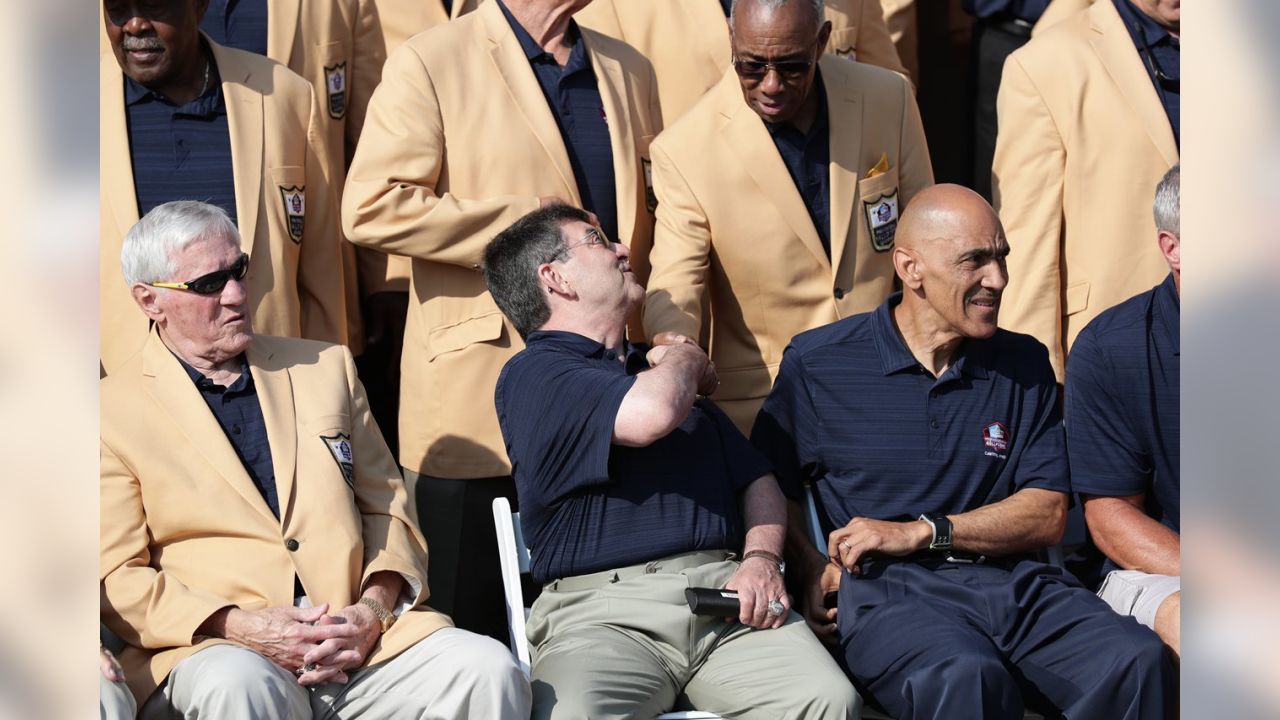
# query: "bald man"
935 445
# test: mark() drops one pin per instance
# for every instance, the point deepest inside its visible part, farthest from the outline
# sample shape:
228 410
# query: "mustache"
132 44
985 295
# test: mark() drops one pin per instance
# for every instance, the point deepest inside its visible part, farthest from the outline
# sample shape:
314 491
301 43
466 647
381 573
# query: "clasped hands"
316 646
666 342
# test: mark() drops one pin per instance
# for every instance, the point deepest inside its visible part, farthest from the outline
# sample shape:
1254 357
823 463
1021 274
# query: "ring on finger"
776 608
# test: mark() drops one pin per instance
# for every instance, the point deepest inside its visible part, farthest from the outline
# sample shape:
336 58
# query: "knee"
489 669
242 679
982 668
1139 651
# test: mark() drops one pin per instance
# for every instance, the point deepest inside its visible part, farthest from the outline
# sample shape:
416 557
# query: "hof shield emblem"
650 198
335 80
882 220
295 206
849 53
995 436
340 448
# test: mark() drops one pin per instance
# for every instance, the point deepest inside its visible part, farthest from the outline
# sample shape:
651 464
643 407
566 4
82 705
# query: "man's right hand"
819 581
282 635
709 380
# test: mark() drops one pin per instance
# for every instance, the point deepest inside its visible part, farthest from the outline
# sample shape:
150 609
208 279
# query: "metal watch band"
385 616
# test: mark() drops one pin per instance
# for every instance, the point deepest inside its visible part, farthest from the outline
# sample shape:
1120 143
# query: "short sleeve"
557 417
784 429
743 463
1042 462
1106 456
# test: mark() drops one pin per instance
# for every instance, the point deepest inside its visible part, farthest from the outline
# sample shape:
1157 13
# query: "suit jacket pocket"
290 202
448 338
1077 297
335 68
745 383
879 208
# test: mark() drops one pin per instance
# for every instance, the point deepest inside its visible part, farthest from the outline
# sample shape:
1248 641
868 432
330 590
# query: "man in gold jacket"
258 554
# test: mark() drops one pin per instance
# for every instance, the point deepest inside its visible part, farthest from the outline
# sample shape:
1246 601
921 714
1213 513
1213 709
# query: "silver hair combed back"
1166 203
819 13
151 244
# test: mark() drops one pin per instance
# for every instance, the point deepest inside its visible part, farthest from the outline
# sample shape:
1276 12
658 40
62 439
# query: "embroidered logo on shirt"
995 436
295 206
340 447
335 80
882 220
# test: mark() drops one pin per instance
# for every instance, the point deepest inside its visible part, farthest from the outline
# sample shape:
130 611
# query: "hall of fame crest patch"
335 81
882 220
340 447
295 208
995 436
849 53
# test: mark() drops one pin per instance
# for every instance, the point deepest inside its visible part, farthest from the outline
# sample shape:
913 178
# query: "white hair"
1165 206
152 243
819 13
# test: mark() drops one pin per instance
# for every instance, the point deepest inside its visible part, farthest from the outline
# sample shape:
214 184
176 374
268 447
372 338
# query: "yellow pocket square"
880 167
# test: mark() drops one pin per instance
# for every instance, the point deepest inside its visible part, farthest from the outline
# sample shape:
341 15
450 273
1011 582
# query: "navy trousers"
933 639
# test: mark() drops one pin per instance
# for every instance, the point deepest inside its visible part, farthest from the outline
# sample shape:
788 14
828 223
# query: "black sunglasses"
757 69
212 283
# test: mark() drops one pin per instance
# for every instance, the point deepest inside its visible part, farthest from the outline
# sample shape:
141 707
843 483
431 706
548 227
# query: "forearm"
661 397
765 512
1131 538
384 588
1030 519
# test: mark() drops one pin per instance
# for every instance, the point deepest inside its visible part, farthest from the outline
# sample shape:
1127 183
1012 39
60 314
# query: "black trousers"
456 517
993 41
379 365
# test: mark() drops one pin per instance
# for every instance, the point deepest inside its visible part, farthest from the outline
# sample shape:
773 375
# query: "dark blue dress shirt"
727 5
241 24
588 505
180 153
1028 10
574 99
1161 55
1122 403
808 157
853 411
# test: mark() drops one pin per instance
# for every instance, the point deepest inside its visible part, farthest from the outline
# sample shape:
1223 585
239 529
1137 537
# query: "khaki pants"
623 644
450 674
115 702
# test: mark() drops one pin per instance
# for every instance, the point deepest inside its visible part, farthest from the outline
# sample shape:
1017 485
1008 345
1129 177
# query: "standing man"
630 489
1088 115
935 444
688 41
476 123
778 197
1123 420
184 118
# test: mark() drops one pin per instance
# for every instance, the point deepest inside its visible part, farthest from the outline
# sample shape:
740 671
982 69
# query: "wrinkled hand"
111 669
346 652
818 582
284 635
757 582
864 536
709 381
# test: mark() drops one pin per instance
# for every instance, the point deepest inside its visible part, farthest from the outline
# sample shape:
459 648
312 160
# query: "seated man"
258 555
629 489
936 447
1123 427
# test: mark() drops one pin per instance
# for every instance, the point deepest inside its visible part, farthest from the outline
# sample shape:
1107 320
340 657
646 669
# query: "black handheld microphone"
712 601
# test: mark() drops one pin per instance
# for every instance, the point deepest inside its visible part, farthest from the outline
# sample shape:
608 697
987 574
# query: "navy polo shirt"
1158 50
574 99
1122 403
853 411
1028 10
180 153
807 157
727 5
241 24
588 505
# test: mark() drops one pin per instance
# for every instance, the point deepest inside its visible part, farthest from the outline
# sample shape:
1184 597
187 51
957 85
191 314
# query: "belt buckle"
951 557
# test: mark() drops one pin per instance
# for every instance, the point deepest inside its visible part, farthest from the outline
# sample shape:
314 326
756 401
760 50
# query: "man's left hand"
757 582
709 380
864 536
345 653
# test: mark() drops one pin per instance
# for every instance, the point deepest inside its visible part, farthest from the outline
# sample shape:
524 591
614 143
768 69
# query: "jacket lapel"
612 86
275 395
844 108
168 384
282 24
117 166
1114 46
512 65
244 124
753 146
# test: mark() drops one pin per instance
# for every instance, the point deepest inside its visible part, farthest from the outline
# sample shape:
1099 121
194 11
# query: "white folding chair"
513 557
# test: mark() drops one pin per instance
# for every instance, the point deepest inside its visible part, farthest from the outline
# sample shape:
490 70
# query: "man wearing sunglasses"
183 118
259 557
778 195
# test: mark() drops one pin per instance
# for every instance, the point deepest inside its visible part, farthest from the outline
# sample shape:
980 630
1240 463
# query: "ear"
554 282
824 34
1171 248
907 265
147 299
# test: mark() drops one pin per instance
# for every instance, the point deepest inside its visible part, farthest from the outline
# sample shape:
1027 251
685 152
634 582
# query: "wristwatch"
385 616
941 530
782 565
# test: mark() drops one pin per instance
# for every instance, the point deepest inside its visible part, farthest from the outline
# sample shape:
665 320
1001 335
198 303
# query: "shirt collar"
1144 30
584 346
207 104
1169 307
204 384
820 120
533 51
973 356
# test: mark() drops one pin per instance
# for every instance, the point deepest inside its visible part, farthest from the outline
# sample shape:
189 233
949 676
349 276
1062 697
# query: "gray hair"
152 243
1165 206
819 9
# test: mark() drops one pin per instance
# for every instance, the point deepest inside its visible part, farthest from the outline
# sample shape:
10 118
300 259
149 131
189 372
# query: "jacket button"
291 544
839 293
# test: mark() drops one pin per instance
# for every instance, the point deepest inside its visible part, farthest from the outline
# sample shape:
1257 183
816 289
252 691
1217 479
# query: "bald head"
945 211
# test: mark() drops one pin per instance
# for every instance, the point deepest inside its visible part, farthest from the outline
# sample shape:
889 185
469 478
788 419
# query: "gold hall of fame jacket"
185 532
688 40
734 237
285 204
458 144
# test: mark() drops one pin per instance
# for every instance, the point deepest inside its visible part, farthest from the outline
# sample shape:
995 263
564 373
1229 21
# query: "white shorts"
1132 592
